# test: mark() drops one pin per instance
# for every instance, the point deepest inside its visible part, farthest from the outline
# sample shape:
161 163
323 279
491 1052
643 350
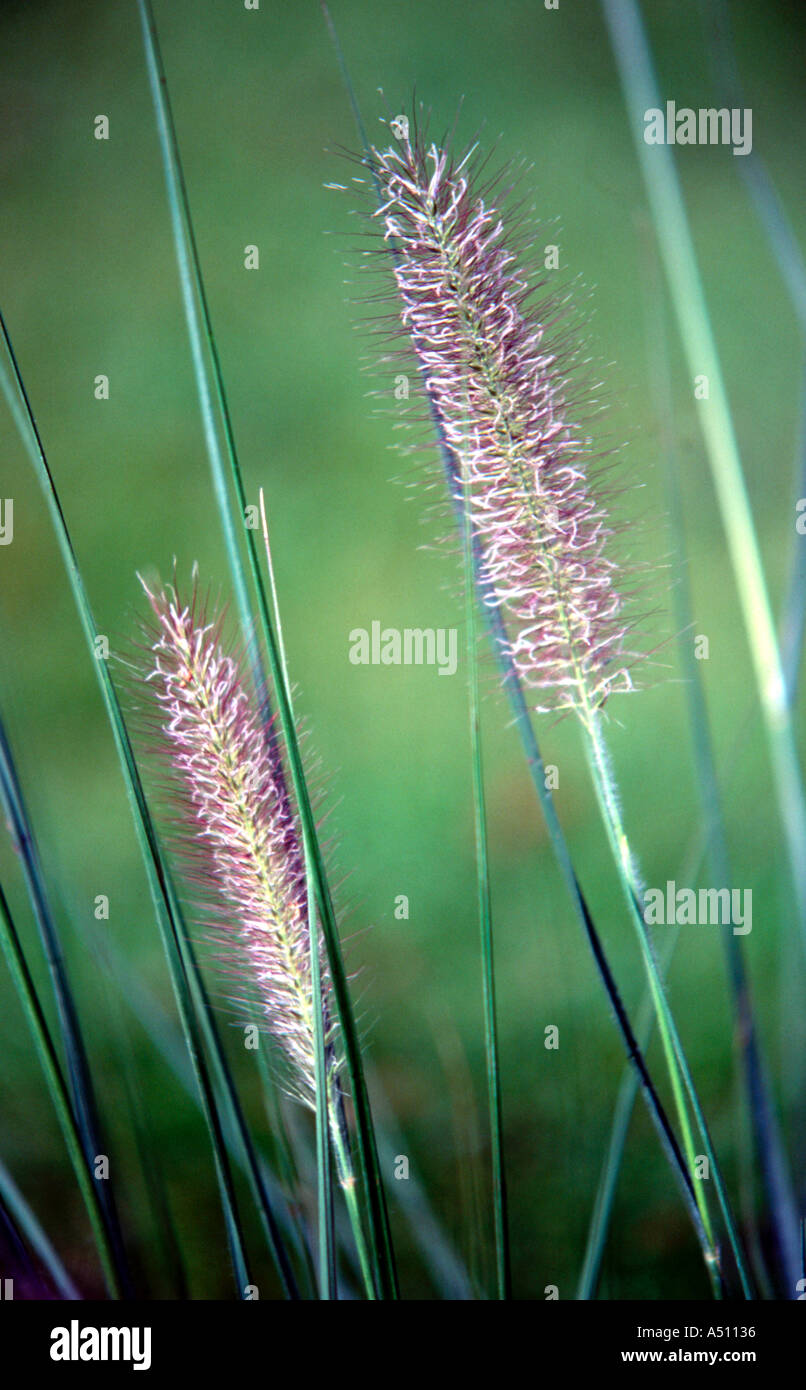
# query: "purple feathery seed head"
498 392
237 832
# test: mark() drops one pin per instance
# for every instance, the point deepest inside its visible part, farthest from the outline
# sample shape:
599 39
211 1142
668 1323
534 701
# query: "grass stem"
679 1073
210 386
26 991
494 1099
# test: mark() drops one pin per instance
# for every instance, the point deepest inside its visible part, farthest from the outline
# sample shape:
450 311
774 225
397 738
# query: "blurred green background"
89 286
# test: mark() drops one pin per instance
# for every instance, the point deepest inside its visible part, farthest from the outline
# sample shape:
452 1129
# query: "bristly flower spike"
499 395
238 833
498 391
236 830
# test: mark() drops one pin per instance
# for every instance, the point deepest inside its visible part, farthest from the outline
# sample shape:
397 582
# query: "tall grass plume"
235 828
495 370
500 391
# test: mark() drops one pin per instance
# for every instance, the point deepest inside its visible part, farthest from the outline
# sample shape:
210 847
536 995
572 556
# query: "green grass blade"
324 1183
201 337
163 1225
614 1153
26 992
121 1056
34 1234
634 61
793 619
81 1086
635 1053
238 1138
226 1087
751 166
646 1019
446 1269
192 1027
444 1265
18 1261
534 760
679 1072
384 1274
287 1174
494 1100
14 389
765 1129
160 1030
327 1261
773 1161
200 333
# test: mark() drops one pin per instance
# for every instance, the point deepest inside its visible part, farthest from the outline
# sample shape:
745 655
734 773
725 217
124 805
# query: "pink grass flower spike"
236 830
499 394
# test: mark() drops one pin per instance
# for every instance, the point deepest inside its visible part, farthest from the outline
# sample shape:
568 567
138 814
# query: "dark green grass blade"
17 396
751 166
331 1122
166 1237
687 1101
81 1087
286 1170
657 1113
226 1088
286 1167
636 70
163 1226
614 1153
34 1235
766 1134
191 1018
635 65
26 991
238 1138
211 385
789 257
324 1174
160 1030
769 1144
16 1257
534 760
693 866
793 619
229 1202
494 1100
445 1267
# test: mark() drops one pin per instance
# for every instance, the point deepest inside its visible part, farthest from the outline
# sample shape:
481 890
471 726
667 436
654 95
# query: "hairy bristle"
499 394
236 832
